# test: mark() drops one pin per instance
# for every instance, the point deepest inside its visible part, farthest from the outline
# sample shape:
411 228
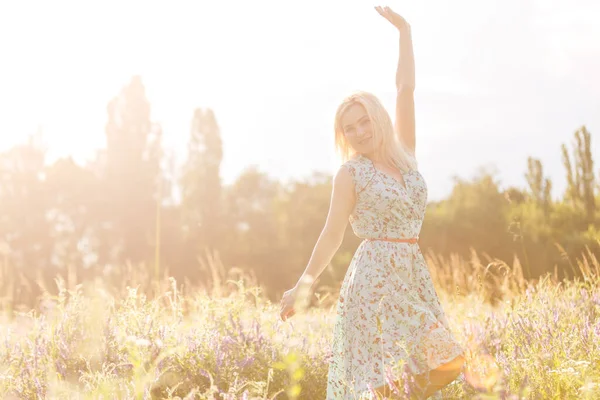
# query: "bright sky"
497 80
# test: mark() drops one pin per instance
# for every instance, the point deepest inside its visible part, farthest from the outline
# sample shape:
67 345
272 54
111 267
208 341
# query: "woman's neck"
375 157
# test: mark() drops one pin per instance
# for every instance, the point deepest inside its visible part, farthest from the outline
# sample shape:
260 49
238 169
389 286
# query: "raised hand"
395 19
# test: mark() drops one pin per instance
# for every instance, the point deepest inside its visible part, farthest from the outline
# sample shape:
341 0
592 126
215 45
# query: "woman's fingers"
380 10
384 13
287 312
394 18
284 308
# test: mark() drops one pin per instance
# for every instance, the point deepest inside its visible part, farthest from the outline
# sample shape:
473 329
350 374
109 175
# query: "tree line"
130 209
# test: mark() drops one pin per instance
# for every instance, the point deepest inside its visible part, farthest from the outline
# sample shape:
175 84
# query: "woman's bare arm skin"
405 80
405 85
341 206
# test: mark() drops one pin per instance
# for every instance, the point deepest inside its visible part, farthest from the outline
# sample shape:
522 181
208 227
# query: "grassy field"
529 340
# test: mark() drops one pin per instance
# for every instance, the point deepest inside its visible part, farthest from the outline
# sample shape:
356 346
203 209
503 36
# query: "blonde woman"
388 310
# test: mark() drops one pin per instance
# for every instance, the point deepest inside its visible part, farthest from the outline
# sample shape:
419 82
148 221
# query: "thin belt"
406 240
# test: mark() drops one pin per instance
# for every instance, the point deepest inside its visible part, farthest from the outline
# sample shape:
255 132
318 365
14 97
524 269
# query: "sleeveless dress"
388 309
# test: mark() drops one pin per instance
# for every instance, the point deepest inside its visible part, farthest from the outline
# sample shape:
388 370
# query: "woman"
388 310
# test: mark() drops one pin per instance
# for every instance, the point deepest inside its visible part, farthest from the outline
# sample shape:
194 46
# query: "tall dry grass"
133 336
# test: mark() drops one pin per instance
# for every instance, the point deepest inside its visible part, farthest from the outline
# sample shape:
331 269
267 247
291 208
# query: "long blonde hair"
391 150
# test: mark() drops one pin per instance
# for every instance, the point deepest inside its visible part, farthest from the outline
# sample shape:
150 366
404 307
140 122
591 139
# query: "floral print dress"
388 310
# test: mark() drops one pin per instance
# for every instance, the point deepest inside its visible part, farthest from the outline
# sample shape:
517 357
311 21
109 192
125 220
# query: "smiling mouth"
365 139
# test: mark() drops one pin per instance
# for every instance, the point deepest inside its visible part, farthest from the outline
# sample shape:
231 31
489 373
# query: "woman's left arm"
405 85
405 81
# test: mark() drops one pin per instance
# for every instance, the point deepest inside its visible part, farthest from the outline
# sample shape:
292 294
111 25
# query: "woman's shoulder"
353 163
356 159
358 167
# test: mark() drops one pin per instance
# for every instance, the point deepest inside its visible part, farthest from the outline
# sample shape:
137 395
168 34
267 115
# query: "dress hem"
383 382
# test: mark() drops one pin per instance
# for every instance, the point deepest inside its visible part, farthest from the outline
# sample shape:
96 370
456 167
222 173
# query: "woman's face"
358 129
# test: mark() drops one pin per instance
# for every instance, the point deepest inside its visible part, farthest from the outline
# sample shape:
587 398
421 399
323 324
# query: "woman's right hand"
288 301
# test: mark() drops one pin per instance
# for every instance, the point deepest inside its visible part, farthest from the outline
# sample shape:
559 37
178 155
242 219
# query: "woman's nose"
362 132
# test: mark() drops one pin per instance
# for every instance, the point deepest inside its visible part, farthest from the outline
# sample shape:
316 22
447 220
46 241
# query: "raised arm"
405 81
405 85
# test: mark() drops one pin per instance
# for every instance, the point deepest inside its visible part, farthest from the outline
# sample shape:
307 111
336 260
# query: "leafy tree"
201 191
580 177
539 187
131 177
25 232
